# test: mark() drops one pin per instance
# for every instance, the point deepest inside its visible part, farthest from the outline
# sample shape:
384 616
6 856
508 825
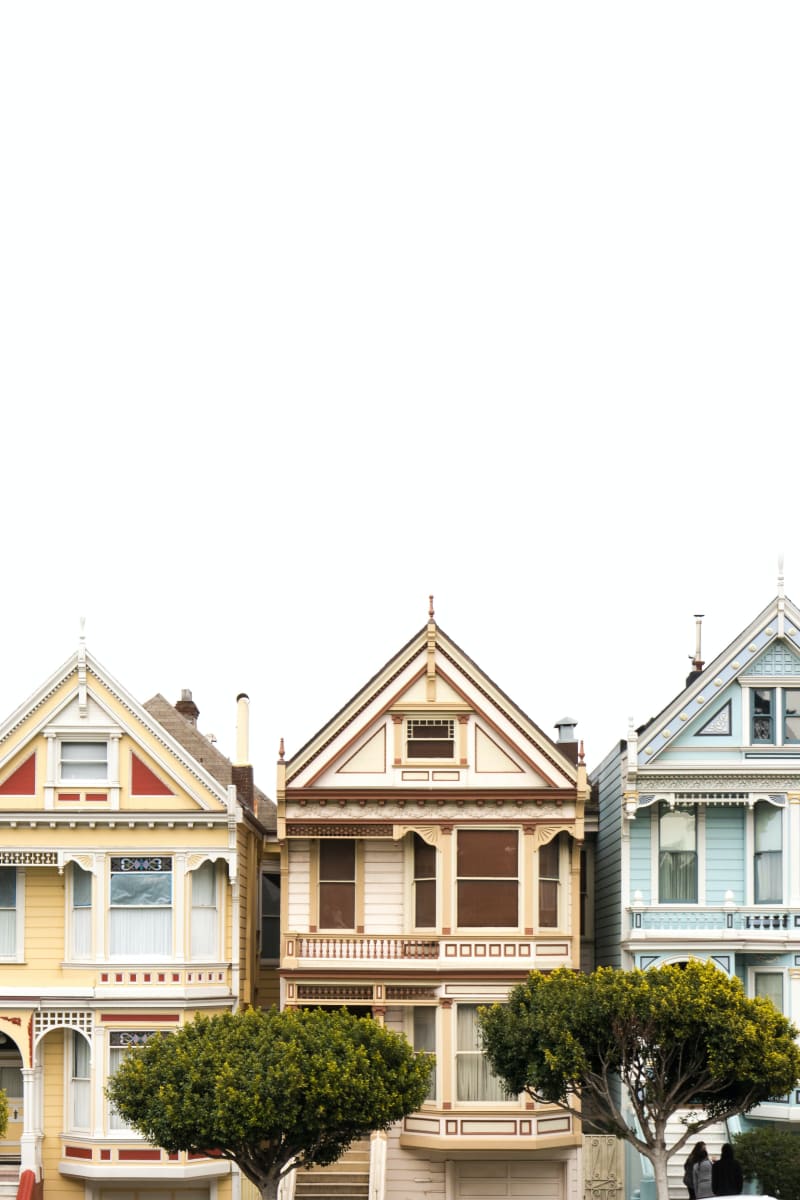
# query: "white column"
792 850
32 1105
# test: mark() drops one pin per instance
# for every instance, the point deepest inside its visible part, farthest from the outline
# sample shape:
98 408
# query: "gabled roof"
205 752
384 688
778 623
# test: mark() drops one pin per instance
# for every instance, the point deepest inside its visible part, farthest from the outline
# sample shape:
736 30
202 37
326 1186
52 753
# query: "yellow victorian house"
134 865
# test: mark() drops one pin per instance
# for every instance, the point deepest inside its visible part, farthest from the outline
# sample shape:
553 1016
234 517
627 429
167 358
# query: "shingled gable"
206 753
778 622
386 685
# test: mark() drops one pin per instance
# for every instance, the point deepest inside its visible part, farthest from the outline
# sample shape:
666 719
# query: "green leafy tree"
772 1156
672 1036
271 1091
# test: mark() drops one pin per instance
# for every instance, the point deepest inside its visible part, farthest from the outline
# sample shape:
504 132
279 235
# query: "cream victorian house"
433 850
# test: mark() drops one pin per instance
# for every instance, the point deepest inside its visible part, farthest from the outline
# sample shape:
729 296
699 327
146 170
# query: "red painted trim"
138 1018
139 1155
77 1152
27 1183
21 782
145 782
69 797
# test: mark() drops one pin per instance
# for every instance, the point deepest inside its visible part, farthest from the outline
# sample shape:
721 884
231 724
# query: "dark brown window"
428 738
487 878
424 884
549 877
337 883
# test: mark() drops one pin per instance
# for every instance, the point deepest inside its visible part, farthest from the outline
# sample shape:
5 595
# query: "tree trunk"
269 1187
659 1160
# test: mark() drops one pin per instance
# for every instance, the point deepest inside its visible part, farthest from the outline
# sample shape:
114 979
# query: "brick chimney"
187 707
241 768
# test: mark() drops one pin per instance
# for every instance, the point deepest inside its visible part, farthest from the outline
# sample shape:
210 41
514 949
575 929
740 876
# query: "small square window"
427 737
84 760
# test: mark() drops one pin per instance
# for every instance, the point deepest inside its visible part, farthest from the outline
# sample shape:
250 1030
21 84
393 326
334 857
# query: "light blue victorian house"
699 840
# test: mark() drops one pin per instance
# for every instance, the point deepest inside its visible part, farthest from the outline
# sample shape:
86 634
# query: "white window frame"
18 953
655 847
115 1126
561 891
83 777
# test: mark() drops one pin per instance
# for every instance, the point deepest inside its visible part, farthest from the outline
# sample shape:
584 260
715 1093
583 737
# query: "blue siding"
641 836
725 867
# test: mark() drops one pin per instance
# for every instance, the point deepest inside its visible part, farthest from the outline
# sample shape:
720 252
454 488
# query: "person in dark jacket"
688 1169
702 1175
726 1173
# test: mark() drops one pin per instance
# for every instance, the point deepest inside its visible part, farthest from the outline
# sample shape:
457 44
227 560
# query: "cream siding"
383 887
410 1173
299 884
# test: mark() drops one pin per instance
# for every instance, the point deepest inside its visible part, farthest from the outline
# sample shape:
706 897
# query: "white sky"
308 310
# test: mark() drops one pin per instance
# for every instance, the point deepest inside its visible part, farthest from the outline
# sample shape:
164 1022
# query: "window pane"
337 858
8 887
770 985
81 887
474 1079
425 903
763 713
487 902
424 859
677 876
270 916
149 887
11 1082
677 830
141 931
769 824
487 853
548 903
84 760
337 906
204 892
791 715
548 860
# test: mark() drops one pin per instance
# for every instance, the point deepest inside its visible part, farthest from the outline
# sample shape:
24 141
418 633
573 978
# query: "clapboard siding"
299 903
383 886
641 834
410 1173
724 853
607 785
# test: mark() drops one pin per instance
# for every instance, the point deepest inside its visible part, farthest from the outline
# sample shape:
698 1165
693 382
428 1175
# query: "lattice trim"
63 1018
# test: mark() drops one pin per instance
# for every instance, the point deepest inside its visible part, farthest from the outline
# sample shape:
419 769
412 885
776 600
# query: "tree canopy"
270 1090
672 1036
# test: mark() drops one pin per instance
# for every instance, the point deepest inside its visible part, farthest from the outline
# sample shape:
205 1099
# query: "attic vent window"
428 737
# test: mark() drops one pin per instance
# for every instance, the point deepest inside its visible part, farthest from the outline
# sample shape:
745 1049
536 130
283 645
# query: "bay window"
121 1041
79 1085
549 881
424 1038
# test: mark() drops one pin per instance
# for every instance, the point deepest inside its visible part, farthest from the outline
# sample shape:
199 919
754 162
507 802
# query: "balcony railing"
360 948
718 919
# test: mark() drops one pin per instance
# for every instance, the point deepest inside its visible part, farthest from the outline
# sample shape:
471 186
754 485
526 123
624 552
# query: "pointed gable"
430 715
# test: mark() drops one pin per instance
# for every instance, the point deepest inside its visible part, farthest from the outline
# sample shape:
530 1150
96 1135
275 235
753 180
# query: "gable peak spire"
430 608
82 701
781 582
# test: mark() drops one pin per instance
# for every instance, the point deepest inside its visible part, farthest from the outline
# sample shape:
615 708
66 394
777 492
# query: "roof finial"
581 755
281 751
781 585
430 608
82 697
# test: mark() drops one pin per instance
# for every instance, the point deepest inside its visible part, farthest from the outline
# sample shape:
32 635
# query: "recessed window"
424 884
337 883
791 716
677 856
80 1094
487 878
768 857
763 715
430 738
141 906
84 760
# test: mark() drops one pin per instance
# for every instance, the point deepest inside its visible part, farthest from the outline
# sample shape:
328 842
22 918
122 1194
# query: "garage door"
490 1180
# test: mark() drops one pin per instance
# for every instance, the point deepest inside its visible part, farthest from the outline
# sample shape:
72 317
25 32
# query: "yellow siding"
57 1186
44 919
